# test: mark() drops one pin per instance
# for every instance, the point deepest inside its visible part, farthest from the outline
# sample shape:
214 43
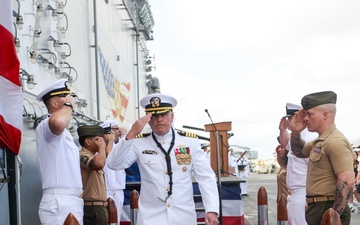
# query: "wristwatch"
68 104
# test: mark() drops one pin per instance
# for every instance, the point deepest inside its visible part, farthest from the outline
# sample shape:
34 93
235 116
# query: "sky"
244 60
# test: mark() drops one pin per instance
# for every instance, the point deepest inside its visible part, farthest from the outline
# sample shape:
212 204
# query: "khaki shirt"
329 154
281 183
93 181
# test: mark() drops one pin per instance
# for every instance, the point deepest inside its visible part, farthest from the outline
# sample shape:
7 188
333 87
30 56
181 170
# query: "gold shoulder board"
142 135
187 134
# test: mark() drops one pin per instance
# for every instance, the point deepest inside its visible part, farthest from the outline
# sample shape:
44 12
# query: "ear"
55 103
325 115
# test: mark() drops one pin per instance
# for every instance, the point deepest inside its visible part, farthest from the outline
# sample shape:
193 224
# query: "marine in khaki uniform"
167 159
330 176
92 162
282 160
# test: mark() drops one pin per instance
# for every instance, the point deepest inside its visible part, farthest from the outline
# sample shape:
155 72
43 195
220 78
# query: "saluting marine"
166 159
93 158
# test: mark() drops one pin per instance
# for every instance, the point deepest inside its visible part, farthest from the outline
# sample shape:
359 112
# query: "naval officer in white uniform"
58 158
166 160
296 169
115 179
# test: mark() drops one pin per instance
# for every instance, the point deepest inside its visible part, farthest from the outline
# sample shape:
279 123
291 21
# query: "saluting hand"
138 126
99 141
109 137
298 122
283 125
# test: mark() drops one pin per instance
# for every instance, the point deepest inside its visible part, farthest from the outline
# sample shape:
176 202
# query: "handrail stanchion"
262 206
112 212
282 216
134 207
331 217
71 220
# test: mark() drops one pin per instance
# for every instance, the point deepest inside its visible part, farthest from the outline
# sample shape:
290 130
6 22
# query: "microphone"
207 112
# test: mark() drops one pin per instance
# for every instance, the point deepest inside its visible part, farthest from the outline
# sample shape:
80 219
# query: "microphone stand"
218 167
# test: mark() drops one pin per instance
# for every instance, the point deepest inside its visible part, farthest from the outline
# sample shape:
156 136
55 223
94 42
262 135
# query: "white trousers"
118 197
243 187
296 203
54 209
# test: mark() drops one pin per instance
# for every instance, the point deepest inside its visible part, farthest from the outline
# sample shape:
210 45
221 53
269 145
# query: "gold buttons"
167 189
168 205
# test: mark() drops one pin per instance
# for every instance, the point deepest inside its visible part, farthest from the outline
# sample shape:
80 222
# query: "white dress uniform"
115 179
59 165
115 185
179 208
244 174
296 182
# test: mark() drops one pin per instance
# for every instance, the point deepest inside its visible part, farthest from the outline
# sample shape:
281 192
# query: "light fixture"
33 57
56 45
60 8
54 12
19 18
30 82
36 35
57 72
17 44
43 62
63 55
19 22
16 39
64 75
68 75
51 66
62 31
29 78
81 103
70 80
39 9
30 118
36 29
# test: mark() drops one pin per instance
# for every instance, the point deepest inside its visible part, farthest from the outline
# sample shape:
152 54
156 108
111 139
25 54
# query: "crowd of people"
80 182
319 168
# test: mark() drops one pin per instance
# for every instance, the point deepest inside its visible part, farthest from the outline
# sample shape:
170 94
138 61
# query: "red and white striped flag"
11 96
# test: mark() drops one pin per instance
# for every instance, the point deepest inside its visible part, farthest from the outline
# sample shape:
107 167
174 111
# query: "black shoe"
244 195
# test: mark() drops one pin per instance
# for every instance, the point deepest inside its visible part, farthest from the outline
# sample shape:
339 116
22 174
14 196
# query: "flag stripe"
11 103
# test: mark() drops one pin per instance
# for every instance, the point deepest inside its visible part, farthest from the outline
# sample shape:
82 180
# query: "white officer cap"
158 103
109 124
291 109
60 87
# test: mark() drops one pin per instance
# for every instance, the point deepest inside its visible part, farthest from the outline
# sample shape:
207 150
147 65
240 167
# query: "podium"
222 128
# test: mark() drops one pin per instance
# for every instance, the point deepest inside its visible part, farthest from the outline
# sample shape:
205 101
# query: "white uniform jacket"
179 208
